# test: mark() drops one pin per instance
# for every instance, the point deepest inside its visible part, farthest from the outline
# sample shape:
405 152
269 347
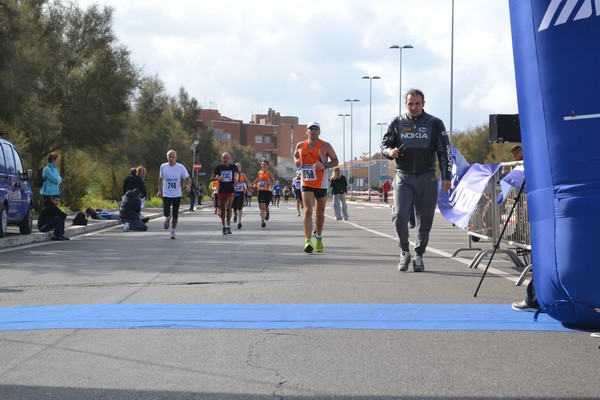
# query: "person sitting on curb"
130 211
52 218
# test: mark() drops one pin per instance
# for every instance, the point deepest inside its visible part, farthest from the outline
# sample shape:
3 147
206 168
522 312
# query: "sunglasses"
313 129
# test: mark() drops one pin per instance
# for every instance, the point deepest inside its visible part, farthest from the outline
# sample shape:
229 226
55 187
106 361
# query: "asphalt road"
257 267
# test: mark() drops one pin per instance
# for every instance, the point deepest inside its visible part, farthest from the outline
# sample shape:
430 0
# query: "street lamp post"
395 46
193 148
370 78
344 136
351 150
381 124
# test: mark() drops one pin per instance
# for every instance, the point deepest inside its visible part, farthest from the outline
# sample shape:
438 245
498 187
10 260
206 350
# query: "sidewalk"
13 238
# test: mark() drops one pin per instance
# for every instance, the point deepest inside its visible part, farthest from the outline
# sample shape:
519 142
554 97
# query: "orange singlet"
311 177
263 181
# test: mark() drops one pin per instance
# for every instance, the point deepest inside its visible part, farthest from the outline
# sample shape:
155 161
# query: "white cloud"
305 57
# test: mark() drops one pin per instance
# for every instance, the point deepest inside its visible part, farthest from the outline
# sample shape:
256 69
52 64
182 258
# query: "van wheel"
26 225
3 221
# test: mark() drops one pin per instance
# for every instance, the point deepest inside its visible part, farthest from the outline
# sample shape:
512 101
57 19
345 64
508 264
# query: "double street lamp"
370 78
395 46
344 136
351 150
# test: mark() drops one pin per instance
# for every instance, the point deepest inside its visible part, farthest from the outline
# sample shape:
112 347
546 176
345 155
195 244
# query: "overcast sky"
303 58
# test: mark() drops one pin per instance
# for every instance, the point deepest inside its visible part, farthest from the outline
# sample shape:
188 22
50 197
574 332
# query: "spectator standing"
193 192
169 188
414 140
141 172
52 178
200 193
134 181
339 188
385 188
52 218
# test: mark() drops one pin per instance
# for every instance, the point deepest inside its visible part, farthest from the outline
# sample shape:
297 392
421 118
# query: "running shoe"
319 245
523 306
240 225
418 265
404 261
263 225
126 227
167 222
228 230
173 235
308 246
267 217
298 214
224 231
234 218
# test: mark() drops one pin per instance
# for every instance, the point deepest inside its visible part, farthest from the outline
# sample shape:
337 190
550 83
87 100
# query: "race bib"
227 176
263 184
308 172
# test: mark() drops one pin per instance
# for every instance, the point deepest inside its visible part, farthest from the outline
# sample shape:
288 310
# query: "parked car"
16 196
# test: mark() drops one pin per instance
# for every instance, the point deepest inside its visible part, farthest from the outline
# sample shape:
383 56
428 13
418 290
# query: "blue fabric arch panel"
557 66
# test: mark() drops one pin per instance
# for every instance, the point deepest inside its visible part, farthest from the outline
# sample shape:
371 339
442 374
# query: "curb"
70 230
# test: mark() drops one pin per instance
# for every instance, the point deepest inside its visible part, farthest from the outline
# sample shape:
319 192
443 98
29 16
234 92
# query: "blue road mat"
439 317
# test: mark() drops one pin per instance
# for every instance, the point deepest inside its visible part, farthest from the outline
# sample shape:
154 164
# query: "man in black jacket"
52 218
129 212
133 181
414 140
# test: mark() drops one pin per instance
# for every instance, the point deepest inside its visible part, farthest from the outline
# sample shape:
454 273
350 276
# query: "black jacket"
339 185
133 182
49 211
420 140
130 206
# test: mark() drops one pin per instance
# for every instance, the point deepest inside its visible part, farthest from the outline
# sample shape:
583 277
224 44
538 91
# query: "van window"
18 163
10 160
2 165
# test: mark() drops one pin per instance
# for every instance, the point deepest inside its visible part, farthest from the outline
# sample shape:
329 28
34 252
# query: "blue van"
16 196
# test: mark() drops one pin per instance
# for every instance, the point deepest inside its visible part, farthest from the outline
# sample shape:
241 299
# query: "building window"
264 156
221 136
258 139
267 139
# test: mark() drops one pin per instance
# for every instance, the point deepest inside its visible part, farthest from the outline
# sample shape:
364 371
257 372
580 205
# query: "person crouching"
130 210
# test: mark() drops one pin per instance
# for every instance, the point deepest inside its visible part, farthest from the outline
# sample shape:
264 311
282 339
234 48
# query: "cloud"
305 57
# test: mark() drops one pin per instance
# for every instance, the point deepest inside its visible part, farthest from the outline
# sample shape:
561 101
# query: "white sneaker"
126 227
418 265
173 235
404 261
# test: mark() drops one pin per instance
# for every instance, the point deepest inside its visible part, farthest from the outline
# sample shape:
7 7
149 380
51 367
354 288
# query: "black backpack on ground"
80 219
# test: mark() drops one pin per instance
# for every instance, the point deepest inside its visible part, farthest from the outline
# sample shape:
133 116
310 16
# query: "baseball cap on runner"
316 124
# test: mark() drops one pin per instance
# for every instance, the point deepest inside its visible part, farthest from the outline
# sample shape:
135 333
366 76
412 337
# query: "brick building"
271 135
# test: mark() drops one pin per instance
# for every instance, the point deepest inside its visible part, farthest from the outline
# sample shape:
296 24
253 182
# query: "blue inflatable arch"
557 64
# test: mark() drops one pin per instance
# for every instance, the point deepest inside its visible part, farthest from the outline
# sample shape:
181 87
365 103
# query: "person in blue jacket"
52 179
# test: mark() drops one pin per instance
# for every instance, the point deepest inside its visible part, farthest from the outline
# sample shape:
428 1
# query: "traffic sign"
197 166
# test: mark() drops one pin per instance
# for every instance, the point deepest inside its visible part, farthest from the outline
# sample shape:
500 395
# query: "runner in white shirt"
169 188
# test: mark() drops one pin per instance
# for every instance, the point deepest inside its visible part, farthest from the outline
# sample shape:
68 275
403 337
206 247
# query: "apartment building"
271 135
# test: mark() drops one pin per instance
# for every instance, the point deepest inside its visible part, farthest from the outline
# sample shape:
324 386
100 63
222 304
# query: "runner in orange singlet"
263 183
312 157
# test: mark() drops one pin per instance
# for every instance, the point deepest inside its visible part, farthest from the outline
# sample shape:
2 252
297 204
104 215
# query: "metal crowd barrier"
489 218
